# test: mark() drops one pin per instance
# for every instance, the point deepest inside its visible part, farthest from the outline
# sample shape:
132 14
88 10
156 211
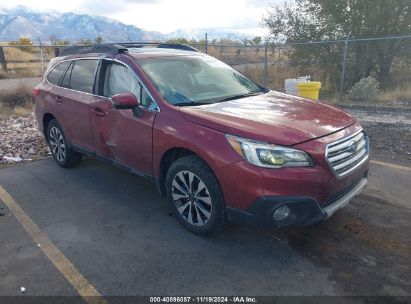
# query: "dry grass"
14 53
397 94
16 103
24 68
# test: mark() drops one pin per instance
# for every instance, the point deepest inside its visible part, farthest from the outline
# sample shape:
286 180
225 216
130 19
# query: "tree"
177 41
98 39
24 44
256 40
311 20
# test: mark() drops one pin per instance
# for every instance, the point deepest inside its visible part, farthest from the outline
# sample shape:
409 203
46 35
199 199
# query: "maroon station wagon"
219 146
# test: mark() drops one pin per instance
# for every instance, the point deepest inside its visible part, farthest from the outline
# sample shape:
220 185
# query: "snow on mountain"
23 22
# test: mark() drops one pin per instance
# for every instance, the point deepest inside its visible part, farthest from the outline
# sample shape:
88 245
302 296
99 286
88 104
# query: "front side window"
195 80
120 79
82 75
55 75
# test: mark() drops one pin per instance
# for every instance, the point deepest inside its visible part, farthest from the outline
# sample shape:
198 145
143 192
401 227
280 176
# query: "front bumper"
304 211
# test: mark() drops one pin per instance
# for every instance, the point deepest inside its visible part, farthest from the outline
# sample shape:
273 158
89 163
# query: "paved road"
119 234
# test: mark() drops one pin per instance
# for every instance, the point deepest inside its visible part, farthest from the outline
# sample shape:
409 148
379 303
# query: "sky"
166 15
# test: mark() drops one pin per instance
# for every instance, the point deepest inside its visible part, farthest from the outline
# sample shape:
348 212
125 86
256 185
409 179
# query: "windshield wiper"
239 96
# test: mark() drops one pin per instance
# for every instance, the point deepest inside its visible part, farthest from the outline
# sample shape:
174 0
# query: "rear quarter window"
82 75
56 73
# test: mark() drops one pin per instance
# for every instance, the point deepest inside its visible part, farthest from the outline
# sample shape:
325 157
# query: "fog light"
281 213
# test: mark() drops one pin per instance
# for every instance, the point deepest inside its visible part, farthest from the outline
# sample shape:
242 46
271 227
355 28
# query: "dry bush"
15 100
365 89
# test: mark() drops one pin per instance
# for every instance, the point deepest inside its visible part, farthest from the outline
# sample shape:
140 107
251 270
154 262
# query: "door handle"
98 112
59 99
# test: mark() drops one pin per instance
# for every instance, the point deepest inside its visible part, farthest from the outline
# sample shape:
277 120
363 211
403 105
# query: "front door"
119 134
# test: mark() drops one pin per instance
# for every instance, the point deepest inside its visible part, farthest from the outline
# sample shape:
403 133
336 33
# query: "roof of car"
154 52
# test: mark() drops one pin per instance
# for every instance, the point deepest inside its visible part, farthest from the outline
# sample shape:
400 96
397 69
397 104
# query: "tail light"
36 91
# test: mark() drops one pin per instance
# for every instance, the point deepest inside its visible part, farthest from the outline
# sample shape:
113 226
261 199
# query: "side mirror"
125 101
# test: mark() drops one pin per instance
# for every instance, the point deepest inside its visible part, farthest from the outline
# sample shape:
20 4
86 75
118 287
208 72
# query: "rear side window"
55 75
65 82
82 75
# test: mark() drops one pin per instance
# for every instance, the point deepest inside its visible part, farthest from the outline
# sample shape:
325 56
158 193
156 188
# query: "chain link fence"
338 65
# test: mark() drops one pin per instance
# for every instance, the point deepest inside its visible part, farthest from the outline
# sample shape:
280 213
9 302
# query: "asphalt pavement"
119 234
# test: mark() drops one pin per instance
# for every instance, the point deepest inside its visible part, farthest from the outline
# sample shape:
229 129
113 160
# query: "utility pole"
344 65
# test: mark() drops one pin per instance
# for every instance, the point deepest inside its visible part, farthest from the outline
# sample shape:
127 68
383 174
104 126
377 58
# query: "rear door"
119 134
73 99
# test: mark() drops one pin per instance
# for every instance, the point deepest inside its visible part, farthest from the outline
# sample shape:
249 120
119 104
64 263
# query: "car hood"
272 117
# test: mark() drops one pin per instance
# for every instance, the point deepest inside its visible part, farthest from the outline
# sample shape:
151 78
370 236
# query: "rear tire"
194 192
62 153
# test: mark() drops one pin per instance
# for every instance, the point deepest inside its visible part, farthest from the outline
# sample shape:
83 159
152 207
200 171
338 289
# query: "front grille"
346 154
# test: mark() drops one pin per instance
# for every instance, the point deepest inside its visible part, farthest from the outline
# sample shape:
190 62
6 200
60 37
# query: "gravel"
20 140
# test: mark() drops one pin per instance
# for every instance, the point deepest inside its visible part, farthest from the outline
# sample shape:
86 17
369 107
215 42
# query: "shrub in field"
24 44
21 97
365 89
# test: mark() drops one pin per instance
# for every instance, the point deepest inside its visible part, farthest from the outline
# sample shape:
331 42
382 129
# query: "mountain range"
23 22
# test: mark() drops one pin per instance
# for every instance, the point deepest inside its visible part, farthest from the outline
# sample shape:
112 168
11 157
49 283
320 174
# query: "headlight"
268 155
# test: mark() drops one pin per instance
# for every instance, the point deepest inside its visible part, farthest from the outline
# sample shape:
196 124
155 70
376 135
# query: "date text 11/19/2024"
174 299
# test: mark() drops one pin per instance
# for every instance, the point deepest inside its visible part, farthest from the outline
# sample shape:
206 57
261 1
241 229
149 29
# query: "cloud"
142 1
111 7
265 3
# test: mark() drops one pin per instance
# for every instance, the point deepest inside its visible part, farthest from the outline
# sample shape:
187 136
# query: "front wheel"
63 155
196 196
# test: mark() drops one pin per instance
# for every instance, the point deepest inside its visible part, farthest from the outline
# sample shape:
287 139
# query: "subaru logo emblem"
352 147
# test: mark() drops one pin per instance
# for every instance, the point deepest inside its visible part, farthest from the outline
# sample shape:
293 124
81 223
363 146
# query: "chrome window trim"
151 108
345 139
95 74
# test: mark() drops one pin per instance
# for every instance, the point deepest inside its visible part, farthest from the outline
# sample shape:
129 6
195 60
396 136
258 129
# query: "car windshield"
196 80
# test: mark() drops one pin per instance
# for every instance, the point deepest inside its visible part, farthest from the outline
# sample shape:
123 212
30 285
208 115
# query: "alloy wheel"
57 145
191 198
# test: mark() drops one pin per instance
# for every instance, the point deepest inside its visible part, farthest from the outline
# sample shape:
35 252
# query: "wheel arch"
47 117
167 159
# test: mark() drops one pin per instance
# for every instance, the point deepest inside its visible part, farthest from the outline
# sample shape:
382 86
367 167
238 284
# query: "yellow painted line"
391 165
85 289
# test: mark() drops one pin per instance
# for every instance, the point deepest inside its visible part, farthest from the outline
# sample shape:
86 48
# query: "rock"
20 140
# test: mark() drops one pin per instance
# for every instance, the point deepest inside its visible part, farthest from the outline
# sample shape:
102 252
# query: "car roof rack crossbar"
97 48
160 45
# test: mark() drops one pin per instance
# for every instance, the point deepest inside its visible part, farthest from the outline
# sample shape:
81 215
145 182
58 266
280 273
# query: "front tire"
64 156
196 196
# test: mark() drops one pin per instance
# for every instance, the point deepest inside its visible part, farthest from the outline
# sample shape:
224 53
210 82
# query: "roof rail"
97 48
160 45
121 47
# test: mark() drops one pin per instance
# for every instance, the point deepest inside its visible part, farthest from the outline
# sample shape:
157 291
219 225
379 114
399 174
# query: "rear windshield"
196 79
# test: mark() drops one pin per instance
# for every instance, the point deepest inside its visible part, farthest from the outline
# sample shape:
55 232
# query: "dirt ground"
389 130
